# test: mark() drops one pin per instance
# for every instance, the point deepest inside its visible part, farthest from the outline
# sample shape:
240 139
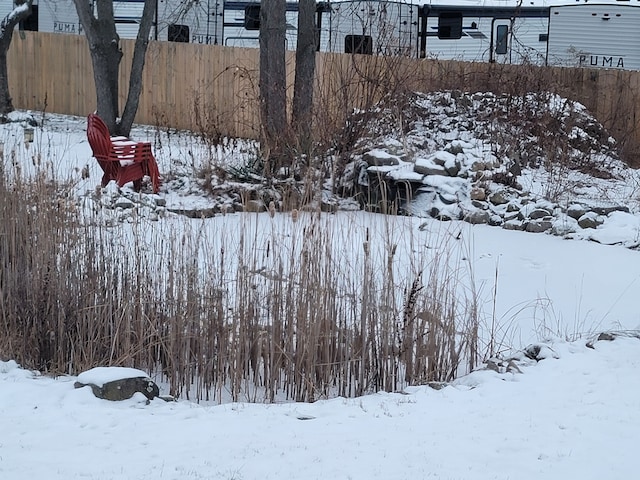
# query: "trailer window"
450 25
252 17
502 34
362 44
31 22
178 33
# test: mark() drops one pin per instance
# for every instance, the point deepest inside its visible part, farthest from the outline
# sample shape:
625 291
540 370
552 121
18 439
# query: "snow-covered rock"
487 158
117 383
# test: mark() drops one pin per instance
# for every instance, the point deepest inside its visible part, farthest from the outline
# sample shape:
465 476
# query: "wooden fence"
213 88
53 72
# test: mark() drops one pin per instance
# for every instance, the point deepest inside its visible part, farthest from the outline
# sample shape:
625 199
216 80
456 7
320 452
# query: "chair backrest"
98 135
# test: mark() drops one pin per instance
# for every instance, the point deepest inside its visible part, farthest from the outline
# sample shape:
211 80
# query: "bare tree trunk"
302 111
22 9
137 66
6 105
273 83
104 46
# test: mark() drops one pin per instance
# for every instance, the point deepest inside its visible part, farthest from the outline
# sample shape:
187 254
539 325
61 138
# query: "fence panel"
215 88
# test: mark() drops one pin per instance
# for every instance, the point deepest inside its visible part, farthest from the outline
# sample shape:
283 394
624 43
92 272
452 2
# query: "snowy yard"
573 414
572 417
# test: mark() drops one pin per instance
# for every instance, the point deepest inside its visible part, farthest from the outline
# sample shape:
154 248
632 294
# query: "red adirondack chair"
121 159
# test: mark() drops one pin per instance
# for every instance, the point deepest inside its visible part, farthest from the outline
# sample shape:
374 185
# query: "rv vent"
478 35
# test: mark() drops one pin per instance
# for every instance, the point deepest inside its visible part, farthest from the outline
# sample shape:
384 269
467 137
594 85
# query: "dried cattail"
272 209
258 323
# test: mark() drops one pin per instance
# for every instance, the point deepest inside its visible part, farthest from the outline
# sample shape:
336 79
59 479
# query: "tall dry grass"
296 306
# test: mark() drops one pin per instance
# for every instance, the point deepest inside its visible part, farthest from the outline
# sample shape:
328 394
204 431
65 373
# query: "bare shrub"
349 89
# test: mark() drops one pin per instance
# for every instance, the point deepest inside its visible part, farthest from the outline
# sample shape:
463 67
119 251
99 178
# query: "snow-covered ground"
575 414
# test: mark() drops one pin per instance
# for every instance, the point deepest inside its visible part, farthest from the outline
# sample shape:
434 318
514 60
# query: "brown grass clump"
292 311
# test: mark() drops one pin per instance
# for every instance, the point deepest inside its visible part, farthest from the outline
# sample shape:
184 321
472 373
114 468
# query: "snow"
572 417
98 376
574 414
429 163
17 11
620 228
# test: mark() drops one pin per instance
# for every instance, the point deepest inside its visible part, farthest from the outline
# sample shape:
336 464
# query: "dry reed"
270 307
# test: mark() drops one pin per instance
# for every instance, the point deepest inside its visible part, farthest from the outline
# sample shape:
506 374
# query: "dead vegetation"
295 312
291 312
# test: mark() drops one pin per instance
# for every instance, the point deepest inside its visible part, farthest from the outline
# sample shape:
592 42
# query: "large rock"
117 383
539 351
513 225
477 217
607 209
498 198
538 213
428 166
538 226
378 157
590 220
576 210
478 193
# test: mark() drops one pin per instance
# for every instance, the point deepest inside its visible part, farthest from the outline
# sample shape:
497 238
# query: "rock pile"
112 205
527 163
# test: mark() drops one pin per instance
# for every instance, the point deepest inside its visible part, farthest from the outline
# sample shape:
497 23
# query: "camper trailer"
370 28
595 35
542 32
485 31
211 22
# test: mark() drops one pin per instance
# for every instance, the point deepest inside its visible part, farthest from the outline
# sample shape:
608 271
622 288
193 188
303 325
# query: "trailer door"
500 40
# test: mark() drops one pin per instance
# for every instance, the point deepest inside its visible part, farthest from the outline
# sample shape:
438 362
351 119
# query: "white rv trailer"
199 21
506 31
501 31
367 27
242 24
212 22
552 32
596 33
